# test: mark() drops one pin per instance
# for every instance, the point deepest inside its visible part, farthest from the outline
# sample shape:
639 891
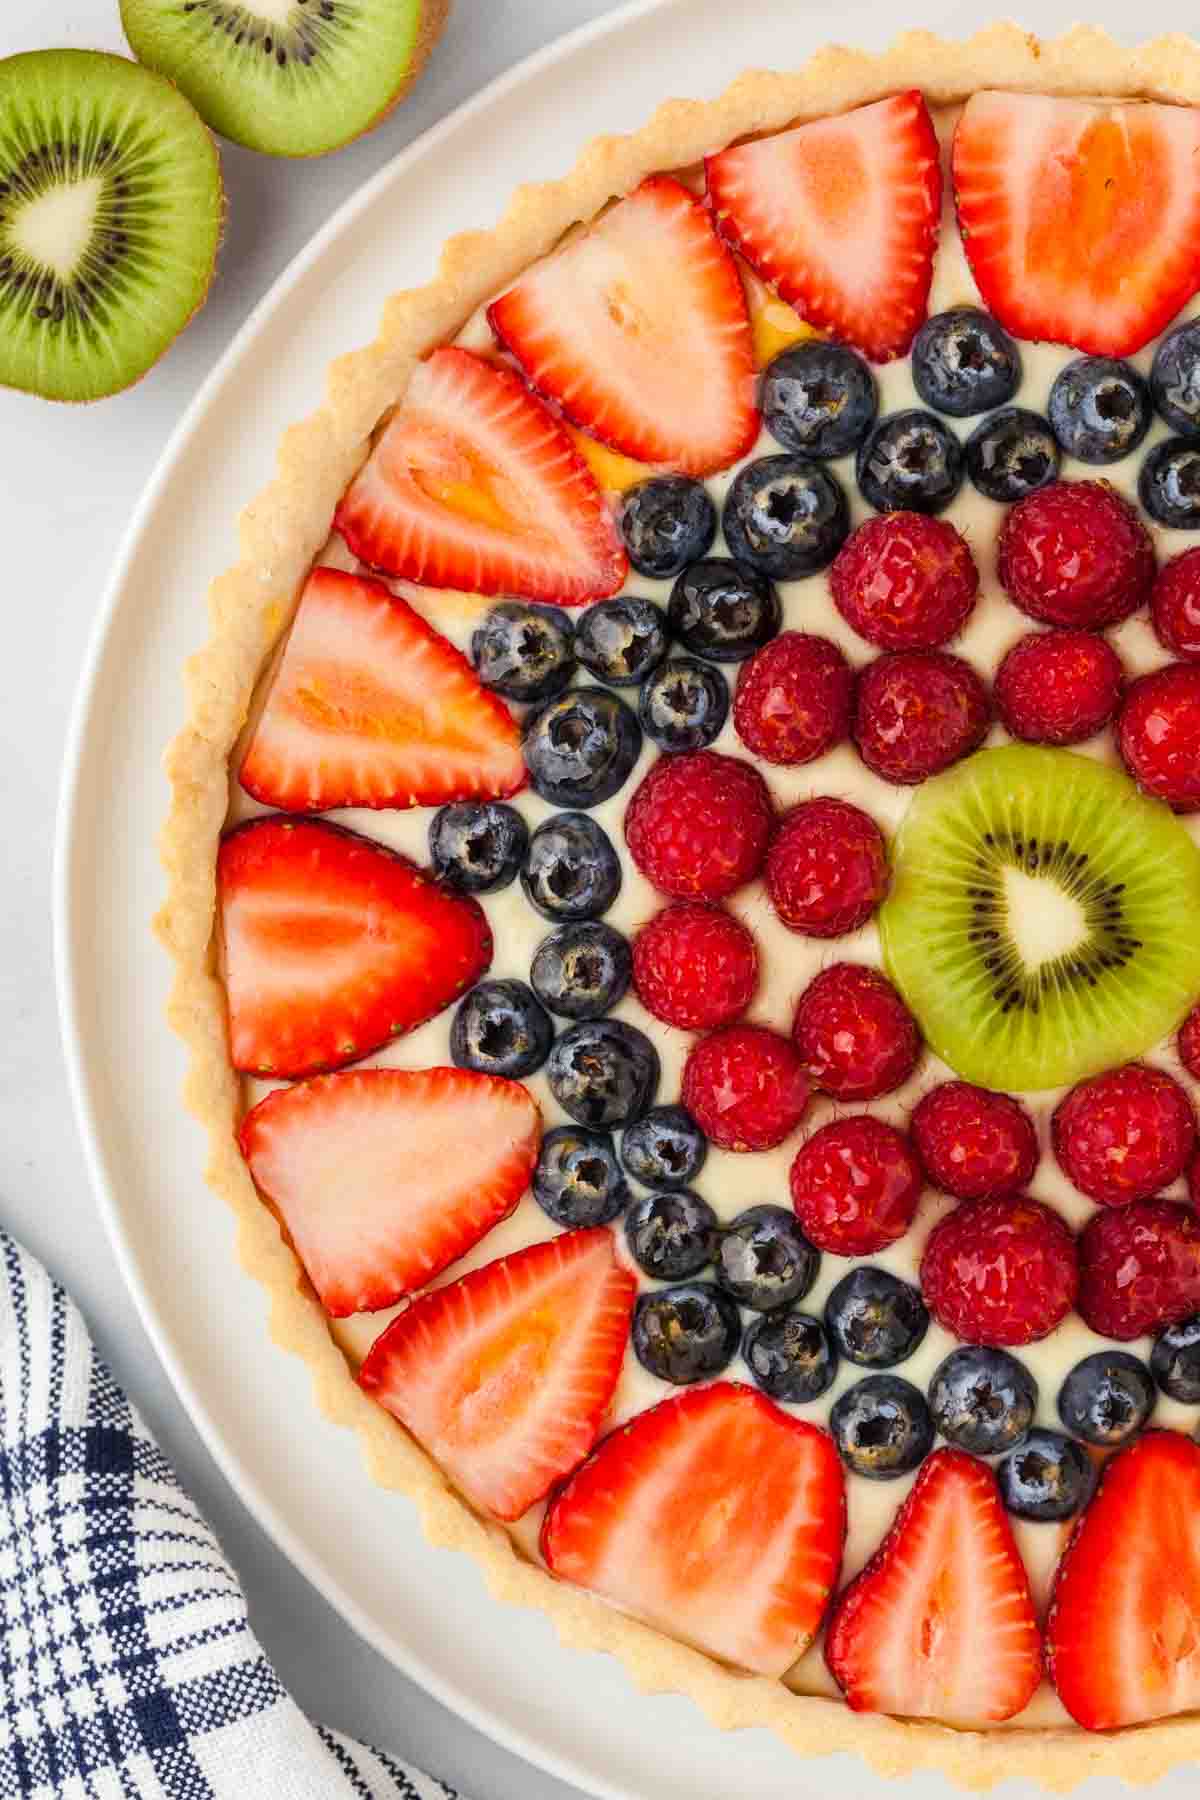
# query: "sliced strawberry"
638 329
383 1177
475 484
1123 1635
505 1375
841 216
940 1624
333 945
371 706
715 1516
1080 219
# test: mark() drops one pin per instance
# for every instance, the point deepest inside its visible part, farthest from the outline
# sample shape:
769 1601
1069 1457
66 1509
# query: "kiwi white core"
1043 920
55 229
273 12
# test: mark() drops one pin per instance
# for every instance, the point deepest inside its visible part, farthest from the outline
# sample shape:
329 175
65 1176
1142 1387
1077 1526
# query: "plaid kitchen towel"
128 1670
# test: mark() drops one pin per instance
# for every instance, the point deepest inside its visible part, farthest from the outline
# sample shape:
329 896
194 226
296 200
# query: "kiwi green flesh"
1043 921
289 77
110 215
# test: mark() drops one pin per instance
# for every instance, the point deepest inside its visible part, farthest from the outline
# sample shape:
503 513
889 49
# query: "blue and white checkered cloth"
128 1670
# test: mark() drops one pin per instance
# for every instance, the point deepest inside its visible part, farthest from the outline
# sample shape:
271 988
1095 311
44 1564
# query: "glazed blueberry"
682 1334
1169 484
1099 409
1012 454
910 463
1048 1477
578 1181
621 641
524 652
501 1028
581 971
982 1400
882 1427
874 1318
665 1149
786 517
1107 1398
1175 1360
790 1356
818 399
671 1236
477 846
684 705
724 610
666 523
963 362
1175 379
765 1260
572 871
581 748
603 1072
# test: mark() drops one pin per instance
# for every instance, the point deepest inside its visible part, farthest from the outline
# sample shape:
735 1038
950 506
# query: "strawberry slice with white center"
715 1516
638 329
840 216
333 945
505 1375
370 706
1080 219
474 484
1123 1634
940 1624
384 1177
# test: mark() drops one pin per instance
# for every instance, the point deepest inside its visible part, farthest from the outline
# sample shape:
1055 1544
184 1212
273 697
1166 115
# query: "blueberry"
1169 484
682 1334
1175 1361
671 1236
666 523
501 1028
581 971
580 748
1048 1477
724 610
572 871
1107 1398
911 462
665 1149
882 1427
684 705
982 1400
786 516
765 1260
603 1072
1099 409
963 362
1012 454
874 1318
622 641
819 399
524 652
1175 379
477 846
578 1180
790 1356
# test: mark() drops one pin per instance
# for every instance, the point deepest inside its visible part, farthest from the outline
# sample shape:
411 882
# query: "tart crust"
281 533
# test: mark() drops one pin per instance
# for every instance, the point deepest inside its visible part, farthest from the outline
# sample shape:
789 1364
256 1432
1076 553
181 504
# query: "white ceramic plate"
575 1715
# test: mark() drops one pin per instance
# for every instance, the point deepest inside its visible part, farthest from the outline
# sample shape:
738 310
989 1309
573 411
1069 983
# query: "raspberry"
826 868
695 965
1158 734
856 1037
697 826
1075 553
793 699
1058 687
1188 1043
905 581
745 1087
1124 1135
975 1144
1175 606
1001 1272
918 712
1139 1268
855 1186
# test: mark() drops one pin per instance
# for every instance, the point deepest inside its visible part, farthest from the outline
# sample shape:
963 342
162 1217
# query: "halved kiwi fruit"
1044 917
110 215
290 77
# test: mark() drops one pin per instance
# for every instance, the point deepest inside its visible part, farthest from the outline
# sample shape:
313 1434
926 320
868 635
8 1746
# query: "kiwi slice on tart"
110 215
1044 917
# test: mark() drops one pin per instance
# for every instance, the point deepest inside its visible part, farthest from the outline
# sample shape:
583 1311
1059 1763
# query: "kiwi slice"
291 77
110 215
1044 917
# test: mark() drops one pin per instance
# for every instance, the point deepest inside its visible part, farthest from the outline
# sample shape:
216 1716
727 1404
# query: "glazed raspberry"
975 1144
855 1186
697 826
1139 1268
695 965
1175 605
1075 553
745 1087
793 699
826 868
1124 1135
1058 687
1000 1272
856 1037
1158 734
905 581
917 712
1188 1043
